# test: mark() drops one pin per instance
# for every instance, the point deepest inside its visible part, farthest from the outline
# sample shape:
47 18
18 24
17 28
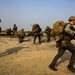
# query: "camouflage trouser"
14 32
39 37
61 51
48 38
21 39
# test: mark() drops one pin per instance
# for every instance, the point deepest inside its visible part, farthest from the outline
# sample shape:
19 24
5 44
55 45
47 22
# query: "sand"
30 59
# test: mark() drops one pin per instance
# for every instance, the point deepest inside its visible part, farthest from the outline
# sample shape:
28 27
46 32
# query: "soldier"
21 35
36 30
14 29
66 44
47 31
8 31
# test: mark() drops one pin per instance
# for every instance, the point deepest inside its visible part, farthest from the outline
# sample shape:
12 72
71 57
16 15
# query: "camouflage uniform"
21 35
47 31
37 33
8 31
14 29
66 44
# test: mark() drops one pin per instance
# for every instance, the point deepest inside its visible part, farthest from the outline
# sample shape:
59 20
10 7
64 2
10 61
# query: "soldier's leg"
70 67
39 37
53 63
20 40
13 32
34 39
48 38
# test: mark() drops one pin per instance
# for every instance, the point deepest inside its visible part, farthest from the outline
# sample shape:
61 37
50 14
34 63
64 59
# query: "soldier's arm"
69 31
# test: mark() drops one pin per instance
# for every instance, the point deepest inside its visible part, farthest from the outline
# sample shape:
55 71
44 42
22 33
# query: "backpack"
20 34
58 30
36 28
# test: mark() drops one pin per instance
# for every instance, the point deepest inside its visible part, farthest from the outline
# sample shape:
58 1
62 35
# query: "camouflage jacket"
68 35
69 32
69 29
47 31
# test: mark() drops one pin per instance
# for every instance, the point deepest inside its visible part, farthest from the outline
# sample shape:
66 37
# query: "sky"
25 13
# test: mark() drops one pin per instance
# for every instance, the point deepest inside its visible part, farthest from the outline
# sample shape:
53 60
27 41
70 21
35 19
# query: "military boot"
39 42
71 68
20 40
52 67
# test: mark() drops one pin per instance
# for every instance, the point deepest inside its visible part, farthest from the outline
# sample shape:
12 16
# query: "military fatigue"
37 34
8 31
21 35
14 29
61 51
36 30
69 33
47 31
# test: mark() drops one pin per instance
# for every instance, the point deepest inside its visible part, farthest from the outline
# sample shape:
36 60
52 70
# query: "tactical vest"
67 36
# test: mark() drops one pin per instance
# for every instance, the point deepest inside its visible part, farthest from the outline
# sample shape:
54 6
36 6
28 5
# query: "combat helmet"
14 24
71 18
47 26
22 29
